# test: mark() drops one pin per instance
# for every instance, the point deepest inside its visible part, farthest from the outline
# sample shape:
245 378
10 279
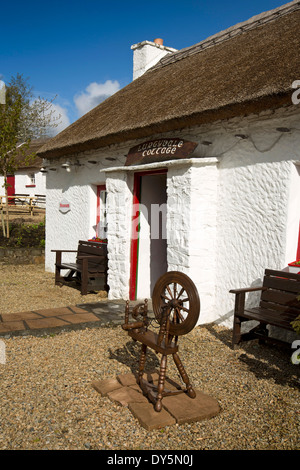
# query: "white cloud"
63 120
94 94
60 117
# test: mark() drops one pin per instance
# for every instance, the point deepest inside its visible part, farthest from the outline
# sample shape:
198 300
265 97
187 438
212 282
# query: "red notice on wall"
64 206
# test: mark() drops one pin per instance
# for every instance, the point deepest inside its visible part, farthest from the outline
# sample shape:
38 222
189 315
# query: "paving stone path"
55 319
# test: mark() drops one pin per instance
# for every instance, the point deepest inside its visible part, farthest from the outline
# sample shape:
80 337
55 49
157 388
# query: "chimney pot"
159 41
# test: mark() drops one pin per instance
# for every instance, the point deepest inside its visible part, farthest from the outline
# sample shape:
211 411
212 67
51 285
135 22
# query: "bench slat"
78 267
270 317
281 308
279 297
288 285
282 274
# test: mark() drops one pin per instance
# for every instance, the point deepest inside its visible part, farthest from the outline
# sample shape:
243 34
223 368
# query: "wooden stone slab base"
178 409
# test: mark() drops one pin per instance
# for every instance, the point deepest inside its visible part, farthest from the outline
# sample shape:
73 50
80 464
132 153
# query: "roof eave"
232 110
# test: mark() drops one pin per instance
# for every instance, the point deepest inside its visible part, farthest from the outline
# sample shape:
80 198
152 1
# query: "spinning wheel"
176 306
175 294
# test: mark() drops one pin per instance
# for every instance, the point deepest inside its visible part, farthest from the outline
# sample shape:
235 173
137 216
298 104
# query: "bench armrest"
64 251
246 289
58 254
240 297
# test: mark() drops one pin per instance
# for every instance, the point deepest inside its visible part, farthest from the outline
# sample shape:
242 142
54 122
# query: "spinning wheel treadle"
176 306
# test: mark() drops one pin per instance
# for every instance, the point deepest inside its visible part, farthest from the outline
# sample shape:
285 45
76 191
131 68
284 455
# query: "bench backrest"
281 292
97 249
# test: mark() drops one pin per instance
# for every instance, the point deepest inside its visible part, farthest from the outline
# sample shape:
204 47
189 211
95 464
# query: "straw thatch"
28 158
246 69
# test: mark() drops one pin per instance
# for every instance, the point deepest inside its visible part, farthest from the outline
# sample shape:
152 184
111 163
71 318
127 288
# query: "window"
31 180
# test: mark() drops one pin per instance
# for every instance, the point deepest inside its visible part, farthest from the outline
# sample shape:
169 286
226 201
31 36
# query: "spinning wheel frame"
176 306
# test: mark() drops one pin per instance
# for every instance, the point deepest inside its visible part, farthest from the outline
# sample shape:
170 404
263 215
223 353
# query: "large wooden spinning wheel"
176 295
176 307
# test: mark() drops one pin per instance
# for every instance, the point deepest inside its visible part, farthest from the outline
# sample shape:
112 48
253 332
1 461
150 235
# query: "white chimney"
146 54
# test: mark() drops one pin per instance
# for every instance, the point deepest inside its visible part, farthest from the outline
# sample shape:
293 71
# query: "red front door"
11 188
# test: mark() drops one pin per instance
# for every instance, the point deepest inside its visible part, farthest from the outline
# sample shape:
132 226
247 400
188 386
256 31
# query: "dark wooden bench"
90 269
279 306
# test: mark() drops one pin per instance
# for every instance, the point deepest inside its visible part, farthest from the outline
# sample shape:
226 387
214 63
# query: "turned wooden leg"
142 362
190 391
161 383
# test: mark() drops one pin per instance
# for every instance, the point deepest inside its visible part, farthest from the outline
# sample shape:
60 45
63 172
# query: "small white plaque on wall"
64 206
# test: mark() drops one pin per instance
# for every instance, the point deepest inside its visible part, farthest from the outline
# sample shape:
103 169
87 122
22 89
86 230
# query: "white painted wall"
119 213
253 206
79 188
22 181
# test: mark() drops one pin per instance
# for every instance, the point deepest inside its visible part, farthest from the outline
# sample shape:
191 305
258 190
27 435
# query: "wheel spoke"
179 316
185 309
175 289
169 290
180 293
165 297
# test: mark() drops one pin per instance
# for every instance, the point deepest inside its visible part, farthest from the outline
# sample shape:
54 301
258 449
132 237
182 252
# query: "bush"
23 235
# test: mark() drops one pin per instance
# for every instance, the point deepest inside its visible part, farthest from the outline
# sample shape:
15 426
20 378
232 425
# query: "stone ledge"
30 255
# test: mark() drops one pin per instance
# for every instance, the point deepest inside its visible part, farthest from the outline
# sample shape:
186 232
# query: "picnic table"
30 201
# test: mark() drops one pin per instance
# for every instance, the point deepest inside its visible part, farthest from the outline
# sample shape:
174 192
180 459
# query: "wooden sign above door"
159 150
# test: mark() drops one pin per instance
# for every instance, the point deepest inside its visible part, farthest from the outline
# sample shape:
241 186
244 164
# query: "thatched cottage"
29 178
206 145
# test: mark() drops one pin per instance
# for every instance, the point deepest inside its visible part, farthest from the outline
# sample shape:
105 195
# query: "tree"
22 118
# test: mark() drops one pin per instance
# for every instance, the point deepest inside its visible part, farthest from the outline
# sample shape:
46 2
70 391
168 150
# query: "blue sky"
63 47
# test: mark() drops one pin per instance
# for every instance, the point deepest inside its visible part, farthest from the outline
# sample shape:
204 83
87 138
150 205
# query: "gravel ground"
47 401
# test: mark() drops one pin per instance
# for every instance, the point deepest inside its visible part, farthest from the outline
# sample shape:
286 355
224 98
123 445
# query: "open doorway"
101 222
149 243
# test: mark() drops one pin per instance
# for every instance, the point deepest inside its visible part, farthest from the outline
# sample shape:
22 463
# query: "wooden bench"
90 269
279 306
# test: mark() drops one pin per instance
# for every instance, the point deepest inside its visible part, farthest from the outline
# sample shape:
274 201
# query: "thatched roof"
34 162
247 68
